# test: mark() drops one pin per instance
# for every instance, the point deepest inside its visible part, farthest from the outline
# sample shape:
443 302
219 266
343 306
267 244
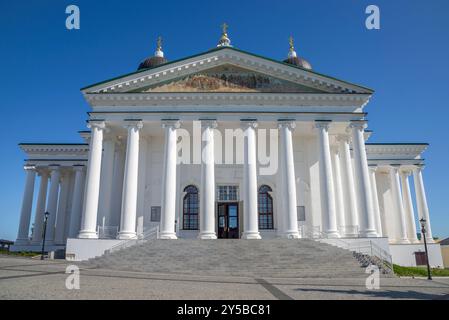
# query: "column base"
85 234
251 235
332 234
126 235
369 234
168 236
207 236
430 240
402 241
290 235
22 242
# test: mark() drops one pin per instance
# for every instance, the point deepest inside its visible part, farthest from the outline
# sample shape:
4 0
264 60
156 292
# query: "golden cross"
225 28
290 41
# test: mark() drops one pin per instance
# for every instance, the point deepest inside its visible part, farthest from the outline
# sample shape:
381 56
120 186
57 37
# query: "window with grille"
265 207
227 193
190 208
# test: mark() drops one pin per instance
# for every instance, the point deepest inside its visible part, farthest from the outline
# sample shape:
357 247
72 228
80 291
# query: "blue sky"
43 65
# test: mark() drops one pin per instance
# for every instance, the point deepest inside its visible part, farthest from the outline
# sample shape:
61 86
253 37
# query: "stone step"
268 258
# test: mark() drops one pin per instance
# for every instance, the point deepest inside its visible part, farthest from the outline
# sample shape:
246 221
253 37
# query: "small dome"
294 59
155 60
152 62
300 62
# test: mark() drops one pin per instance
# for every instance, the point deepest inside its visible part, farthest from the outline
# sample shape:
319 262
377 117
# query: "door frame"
227 204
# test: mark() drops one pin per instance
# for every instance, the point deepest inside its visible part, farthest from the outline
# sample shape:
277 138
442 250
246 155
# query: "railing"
150 234
367 251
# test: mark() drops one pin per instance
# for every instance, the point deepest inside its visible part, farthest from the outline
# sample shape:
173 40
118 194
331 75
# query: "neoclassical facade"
224 144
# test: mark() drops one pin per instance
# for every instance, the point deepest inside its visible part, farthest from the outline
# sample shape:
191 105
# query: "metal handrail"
367 247
152 233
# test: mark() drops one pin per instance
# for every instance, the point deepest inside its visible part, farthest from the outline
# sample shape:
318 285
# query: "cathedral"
225 144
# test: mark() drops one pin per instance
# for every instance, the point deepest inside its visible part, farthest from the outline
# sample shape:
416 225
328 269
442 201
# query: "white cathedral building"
142 165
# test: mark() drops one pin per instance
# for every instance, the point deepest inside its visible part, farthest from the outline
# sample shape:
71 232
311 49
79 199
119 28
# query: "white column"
338 186
52 204
349 190
366 215
106 184
129 198
375 199
250 210
408 206
401 229
207 189
40 208
77 202
288 180
90 211
329 216
168 203
27 204
62 208
421 201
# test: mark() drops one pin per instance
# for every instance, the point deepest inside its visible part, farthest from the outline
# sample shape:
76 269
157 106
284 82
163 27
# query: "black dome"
152 62
300 62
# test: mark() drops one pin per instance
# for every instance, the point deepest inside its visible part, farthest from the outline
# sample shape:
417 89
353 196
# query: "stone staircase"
300 258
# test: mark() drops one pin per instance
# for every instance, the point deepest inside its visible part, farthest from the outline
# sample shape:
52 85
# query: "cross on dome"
224 40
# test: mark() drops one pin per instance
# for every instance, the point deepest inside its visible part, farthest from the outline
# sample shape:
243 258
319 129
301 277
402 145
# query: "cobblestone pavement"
24 278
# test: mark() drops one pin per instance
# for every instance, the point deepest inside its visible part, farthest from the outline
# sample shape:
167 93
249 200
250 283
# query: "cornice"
186 98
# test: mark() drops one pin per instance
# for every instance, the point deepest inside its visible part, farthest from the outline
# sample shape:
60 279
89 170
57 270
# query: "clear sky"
43 65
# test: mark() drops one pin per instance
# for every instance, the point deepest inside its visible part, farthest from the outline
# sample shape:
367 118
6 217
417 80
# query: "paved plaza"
24 278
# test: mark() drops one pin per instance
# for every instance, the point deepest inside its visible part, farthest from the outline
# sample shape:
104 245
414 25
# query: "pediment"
226 70
228 78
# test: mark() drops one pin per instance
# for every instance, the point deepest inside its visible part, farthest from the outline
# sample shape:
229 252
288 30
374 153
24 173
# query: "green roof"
231 48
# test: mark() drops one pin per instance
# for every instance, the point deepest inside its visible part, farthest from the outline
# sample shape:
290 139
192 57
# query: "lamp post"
423 234
44 231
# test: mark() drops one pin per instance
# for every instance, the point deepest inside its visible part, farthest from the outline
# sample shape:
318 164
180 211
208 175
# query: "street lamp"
46 214
423 233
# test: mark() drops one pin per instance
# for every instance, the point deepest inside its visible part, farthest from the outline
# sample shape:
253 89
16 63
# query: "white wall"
403 254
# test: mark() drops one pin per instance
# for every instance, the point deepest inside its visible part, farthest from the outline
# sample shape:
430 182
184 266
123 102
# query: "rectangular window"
301 213
155 214
227 193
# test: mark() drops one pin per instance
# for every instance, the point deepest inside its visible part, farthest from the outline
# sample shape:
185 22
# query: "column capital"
394 167
406 171
418 167
54 167
373 168
42 171
99 124
208 123
248 123
29 167
171 123
78 167
358 124
286 123
322 124
133 124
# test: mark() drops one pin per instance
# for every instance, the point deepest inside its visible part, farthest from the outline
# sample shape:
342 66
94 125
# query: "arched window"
190 208
265 205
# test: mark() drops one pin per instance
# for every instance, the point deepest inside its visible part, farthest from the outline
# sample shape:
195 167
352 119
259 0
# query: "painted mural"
229 79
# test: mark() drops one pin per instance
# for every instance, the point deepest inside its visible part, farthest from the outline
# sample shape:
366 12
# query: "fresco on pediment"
228 79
